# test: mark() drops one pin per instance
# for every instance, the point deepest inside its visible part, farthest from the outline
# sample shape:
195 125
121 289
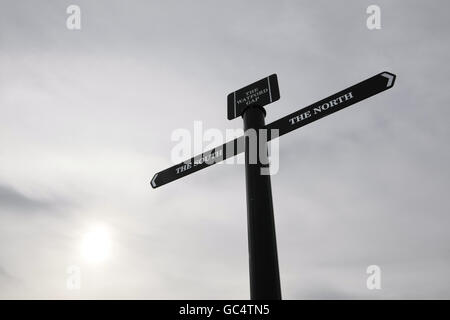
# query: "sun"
96 244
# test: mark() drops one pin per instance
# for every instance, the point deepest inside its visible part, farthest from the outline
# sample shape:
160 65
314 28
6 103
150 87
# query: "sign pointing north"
262 93
334 103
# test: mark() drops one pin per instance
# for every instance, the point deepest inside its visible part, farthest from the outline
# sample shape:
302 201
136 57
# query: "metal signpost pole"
262 247
248 102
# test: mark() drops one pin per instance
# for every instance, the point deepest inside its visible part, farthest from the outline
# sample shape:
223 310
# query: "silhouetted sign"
259 93
204 160
333 103
295 120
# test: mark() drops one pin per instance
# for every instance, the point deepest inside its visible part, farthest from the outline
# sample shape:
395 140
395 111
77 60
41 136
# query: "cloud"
86 119
6 277
12 199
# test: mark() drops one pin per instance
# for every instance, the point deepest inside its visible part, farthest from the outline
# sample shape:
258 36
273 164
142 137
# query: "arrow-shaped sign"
295 120
333 103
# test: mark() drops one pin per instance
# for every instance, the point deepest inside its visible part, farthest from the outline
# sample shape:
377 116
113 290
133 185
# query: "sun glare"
96 245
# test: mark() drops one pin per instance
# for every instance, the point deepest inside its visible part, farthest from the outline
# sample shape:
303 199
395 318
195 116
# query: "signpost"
248 102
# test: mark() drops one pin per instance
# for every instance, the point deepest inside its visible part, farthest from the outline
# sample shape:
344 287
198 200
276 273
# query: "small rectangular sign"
259 93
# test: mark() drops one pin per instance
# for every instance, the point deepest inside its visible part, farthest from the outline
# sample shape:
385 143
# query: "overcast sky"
87 116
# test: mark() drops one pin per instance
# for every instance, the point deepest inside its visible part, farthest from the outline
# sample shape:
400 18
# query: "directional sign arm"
201 161
335 102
